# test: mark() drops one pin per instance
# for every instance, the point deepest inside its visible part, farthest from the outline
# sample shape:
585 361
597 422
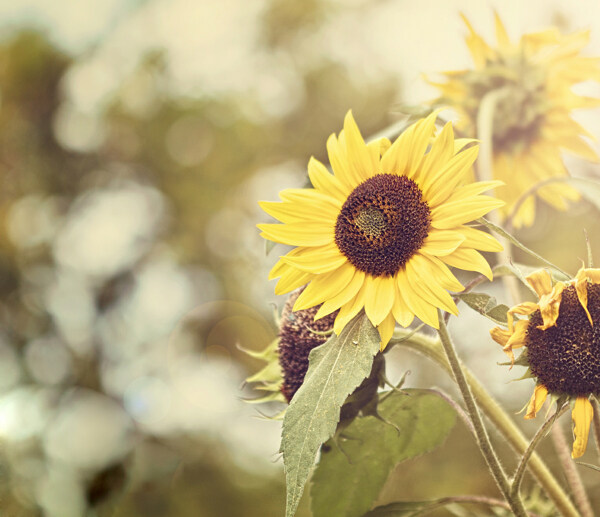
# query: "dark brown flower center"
566 357
382 224
299 333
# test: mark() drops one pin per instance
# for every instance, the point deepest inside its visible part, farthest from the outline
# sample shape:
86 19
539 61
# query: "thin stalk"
431 348
456 406
596 424
485 169
468 499
483 440
541 434
563 452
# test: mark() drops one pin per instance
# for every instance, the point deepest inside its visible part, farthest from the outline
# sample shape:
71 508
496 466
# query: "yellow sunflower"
532 86
562 344
380 232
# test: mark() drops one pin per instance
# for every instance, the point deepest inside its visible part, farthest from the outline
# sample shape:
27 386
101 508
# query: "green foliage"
336 368
486 305
351 474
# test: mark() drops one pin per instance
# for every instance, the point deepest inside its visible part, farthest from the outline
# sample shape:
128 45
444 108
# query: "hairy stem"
483 440
541 433
573 478
596 424
431 348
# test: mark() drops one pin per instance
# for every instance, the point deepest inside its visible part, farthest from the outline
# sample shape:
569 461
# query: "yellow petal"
581 281
292 278
344 296
549 305
524 309
424 130
320 259
426 312
582 415
423 283
386 330
443 275
479 240
469 260
326 182
360 160
442 242
402 314
454 213
281 266
517 339
379 297
441 152
325 286
298 234
339 163
537 401
541 281
500 335
501 35
348 311
441 184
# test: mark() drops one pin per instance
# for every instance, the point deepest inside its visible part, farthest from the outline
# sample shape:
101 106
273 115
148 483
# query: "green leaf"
518 244
359 466
486 305
336 368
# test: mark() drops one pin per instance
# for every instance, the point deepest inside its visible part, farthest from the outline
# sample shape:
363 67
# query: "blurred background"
136 137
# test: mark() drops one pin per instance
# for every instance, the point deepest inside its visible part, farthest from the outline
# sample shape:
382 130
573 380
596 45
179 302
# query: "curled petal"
537 401
541 281
500 335
581 281
550 305
525 309
582 415
517 339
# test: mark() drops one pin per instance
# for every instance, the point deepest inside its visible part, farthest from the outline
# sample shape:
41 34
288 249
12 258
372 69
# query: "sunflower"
287 356
380 232
532 86
562 344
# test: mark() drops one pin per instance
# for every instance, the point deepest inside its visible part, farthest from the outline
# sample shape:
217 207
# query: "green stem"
431 348
483 440
541 433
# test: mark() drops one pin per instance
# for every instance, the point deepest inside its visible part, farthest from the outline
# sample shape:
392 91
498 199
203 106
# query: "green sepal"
522 360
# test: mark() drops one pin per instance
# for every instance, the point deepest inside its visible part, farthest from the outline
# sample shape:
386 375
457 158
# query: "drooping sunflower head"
561 335
287 356
528 88
380 232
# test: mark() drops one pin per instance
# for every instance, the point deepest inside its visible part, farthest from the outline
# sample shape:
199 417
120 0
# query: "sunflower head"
380 233
287 356
561 335
299 333
529 88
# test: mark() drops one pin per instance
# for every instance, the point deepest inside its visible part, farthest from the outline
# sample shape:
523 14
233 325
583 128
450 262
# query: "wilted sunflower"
287 356
380 232
532 83
562 344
